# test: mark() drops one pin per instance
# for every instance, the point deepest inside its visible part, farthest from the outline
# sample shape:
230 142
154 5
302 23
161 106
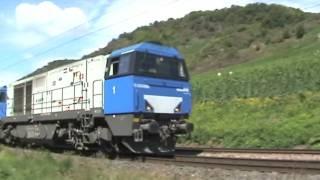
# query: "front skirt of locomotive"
148 135
151 145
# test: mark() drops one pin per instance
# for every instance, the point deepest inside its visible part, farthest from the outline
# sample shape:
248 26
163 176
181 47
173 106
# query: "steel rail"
193 150
262 165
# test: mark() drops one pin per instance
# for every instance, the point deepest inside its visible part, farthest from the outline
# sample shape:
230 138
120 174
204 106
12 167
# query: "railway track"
192 150
263 165
192 157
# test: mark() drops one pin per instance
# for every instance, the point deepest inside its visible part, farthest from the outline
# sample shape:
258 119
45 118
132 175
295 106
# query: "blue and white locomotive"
135 100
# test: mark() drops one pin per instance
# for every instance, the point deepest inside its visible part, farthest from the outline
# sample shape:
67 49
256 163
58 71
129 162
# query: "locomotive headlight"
148 107
178 108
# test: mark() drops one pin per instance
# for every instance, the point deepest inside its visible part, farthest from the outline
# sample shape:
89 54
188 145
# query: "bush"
300 31
286 34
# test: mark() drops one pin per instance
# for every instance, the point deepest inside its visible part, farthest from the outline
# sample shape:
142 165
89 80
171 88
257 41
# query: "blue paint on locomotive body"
3 102
145 86
119 95
128 94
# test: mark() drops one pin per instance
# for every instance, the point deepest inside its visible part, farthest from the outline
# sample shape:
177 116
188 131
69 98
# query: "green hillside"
216 39
254 73
272 101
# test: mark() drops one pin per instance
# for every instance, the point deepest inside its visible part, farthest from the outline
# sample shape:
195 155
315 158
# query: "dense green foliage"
277 122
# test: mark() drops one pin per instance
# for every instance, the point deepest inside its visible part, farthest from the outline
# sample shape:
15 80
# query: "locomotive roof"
151 47
154 48
52 65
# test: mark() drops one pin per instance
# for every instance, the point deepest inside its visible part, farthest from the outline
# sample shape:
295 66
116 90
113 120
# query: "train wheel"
108 150
112 155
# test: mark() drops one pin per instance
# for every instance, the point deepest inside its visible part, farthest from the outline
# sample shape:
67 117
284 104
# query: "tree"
300 31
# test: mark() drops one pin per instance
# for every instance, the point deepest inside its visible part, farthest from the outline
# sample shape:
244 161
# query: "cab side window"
119 66
114 67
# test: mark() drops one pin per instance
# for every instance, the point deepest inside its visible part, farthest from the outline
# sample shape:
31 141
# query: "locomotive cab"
147 91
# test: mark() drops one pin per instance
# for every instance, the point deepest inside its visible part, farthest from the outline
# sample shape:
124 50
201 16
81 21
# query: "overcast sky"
29 28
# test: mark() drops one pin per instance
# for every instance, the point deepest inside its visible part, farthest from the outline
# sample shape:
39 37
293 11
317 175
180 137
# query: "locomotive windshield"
160 67
146 64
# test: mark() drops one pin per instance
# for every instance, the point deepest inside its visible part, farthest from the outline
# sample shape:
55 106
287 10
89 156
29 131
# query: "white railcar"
74 86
